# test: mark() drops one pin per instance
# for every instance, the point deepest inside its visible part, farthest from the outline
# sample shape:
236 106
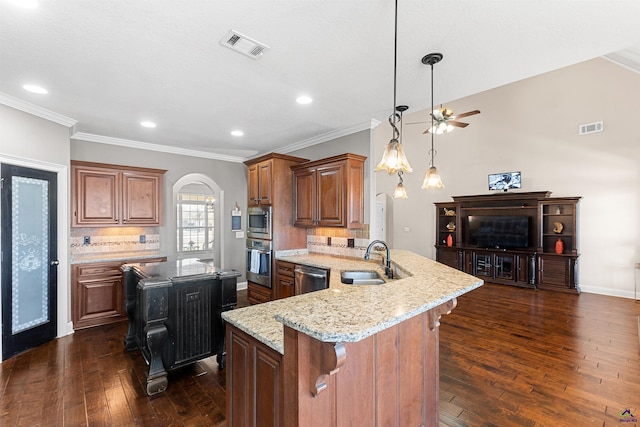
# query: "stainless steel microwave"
259 224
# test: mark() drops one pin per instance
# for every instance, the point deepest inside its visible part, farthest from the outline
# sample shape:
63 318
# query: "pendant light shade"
393 159
432 179
400 192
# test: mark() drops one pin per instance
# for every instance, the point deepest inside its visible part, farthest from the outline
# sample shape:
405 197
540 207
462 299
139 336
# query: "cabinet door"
448 257
142 199
252 183
97 296
505 266
483 266
257 294
96 197
556 272
304 188
265 182
330 193
254 382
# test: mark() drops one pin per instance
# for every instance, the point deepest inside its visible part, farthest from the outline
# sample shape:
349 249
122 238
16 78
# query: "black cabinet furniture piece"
526 239
174 311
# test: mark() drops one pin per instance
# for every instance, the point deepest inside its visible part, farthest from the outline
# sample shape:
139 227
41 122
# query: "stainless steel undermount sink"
361 277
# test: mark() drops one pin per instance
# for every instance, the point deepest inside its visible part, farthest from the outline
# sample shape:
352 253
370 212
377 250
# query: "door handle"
55 262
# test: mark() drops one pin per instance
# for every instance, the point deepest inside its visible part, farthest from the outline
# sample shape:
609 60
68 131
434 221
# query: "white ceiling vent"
590 128
243 44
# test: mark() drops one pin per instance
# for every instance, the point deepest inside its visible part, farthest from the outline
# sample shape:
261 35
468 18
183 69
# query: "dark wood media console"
484 235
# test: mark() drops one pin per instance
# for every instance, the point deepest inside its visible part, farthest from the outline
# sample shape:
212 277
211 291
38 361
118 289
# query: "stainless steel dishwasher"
309 279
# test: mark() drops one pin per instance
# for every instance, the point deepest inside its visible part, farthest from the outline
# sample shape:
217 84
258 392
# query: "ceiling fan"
445 120
442 119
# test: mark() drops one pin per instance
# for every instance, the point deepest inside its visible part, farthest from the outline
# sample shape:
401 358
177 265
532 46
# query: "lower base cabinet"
257 294
387 379
254 382
525 269
557 272
97 293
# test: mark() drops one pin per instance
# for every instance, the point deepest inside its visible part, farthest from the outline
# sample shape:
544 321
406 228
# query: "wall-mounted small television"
493 231
504 181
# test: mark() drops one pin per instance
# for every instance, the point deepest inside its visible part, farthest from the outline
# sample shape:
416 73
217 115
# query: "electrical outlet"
87 240
328 241
143 238
351 243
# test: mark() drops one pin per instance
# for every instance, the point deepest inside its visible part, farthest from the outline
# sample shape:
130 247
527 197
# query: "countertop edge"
365 333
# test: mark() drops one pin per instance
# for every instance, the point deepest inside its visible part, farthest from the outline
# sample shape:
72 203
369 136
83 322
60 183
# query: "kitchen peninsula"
347 355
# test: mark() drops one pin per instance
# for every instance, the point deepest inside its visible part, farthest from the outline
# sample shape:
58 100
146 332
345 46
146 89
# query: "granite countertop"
114 256
350 313
190 268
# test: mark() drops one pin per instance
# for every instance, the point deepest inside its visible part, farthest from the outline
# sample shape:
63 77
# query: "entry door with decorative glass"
29 258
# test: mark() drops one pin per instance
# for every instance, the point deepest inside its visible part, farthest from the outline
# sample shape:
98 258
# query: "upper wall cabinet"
260 183
329 192
111 195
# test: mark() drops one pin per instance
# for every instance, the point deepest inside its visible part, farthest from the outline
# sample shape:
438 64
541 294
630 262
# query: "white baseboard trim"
242 285
608 291
68 330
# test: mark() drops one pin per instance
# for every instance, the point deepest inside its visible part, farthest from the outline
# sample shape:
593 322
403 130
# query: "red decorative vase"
559 246
449 240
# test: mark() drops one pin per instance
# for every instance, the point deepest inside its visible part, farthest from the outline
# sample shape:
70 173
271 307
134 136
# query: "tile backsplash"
105 240
318 241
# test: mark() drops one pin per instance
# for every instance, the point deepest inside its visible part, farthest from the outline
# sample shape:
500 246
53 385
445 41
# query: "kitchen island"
347 355
174 313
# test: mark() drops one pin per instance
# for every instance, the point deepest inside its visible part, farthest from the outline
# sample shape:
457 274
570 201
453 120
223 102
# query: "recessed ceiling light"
148 124
27 4
304 99
237 133
35 89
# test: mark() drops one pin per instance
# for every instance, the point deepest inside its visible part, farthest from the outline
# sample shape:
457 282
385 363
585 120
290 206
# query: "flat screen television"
504 181
502 232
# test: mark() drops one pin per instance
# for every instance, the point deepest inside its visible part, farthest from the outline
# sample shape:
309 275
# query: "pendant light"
432 179
400 191
393 158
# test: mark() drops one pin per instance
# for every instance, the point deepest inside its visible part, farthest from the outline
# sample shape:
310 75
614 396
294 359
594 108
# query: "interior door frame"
64 324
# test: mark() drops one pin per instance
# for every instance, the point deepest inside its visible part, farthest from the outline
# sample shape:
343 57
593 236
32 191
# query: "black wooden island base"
174 313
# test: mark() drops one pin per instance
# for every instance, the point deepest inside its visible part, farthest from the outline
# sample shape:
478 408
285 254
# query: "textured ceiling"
111 63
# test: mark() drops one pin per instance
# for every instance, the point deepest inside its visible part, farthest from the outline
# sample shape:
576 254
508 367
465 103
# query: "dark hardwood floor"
509 357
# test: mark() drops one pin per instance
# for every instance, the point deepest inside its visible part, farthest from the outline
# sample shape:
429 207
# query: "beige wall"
30 141
532 126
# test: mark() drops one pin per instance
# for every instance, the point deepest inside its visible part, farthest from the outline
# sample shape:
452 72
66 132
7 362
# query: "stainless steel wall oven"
259 262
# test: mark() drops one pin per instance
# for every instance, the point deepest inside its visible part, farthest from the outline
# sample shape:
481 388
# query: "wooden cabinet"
97 293
329 192
550 219
260 182
257 294
254 382
284 280
111 195
557 272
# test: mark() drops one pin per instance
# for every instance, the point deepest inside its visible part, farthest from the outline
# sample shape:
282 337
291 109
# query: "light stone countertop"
350 313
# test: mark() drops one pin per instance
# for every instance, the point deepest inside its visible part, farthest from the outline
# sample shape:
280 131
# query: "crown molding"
626 58
33 109
368 125
153 147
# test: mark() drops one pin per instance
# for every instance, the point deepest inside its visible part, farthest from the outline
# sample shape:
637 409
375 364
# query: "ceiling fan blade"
457 124
467 114
416 123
